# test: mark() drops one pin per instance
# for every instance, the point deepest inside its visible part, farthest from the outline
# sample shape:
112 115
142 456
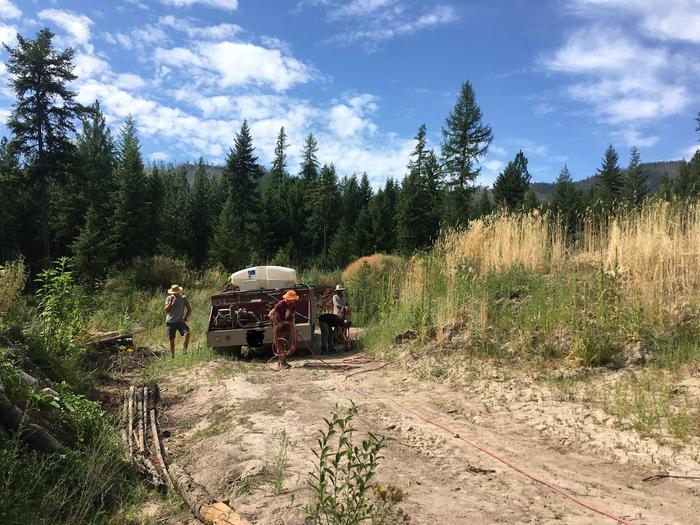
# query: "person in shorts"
178 309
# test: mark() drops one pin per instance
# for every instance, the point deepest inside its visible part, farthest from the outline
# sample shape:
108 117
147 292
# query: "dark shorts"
177 327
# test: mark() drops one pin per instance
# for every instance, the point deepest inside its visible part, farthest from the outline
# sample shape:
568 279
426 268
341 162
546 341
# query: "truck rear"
239 317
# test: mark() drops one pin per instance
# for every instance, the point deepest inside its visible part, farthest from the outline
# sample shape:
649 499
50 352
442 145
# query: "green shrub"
342 480
147 273
12 278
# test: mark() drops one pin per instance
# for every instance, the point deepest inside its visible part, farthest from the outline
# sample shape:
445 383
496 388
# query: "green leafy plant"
342 479
60 307
281 462
83 416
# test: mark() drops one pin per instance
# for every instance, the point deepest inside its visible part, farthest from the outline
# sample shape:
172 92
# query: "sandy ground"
223 419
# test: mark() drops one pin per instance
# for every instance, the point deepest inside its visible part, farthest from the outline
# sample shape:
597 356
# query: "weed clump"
342 483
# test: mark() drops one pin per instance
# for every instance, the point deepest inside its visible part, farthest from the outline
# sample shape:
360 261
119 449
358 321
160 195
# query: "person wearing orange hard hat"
283 315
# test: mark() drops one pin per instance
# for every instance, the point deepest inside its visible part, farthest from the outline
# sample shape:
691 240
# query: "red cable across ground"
347 365
510 465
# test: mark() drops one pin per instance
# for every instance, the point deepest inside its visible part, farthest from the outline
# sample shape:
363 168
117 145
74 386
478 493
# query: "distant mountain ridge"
654 170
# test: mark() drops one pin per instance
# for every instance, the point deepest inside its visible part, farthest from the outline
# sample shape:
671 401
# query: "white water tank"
264 277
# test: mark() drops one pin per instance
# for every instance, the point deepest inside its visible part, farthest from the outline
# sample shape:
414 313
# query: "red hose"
493 455
347 365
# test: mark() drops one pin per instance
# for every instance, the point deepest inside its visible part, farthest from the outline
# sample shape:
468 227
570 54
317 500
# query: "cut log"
141 438
202 505
158 449
130 421
36 436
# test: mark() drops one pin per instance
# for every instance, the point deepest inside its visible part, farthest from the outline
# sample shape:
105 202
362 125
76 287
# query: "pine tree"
530 201
566 201
91 249
156 198
609 183
465 141
19 224
239 223
309 160
382 212
225 248
338 252
687 183
484 206
666 189
200 217
351 200
276 226
362 238
512 184
324 219
131 218
175 233
417 209
42 117
634 188
89 181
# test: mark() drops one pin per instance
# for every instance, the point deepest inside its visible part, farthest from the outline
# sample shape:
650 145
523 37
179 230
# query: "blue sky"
559 79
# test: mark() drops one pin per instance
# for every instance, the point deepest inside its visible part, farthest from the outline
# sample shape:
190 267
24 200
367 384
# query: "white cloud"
238 64
215 32
666 20
78 26
89 66
9 10
360 7
129 81
8 34
689 152
497 150
373 21
631 136
228 5
138 4
628 81
348 118
530 147
159 156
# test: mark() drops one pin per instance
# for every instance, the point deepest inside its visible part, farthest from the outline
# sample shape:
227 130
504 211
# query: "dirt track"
222 417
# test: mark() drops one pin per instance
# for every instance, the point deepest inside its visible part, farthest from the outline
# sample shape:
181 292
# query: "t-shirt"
331 320
177 312
339 302
284 311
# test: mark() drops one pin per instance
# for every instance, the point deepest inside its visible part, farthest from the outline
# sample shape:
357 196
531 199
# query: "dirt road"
225 420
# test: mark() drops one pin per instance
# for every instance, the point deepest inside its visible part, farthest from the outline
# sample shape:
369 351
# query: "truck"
239 314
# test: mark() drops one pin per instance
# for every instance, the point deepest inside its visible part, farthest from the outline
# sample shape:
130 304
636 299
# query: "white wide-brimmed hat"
339 288
175 288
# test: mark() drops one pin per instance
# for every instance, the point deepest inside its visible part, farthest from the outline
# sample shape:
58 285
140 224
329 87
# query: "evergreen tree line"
87 194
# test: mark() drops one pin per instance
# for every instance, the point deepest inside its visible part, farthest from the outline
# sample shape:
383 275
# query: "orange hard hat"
291 295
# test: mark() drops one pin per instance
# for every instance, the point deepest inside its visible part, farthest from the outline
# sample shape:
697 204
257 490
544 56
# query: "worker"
283 317
178 309
340 302
330 324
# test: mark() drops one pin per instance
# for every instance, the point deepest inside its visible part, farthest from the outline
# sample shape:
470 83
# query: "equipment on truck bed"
239 317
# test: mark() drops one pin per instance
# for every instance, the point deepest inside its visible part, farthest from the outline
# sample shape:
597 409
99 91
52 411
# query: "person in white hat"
178 309
340 301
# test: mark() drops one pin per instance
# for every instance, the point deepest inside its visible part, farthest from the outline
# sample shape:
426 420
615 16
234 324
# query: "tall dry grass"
656 251
503 240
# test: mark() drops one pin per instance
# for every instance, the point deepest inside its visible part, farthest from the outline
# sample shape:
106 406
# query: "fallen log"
36 436
202 505
130 421
160 459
